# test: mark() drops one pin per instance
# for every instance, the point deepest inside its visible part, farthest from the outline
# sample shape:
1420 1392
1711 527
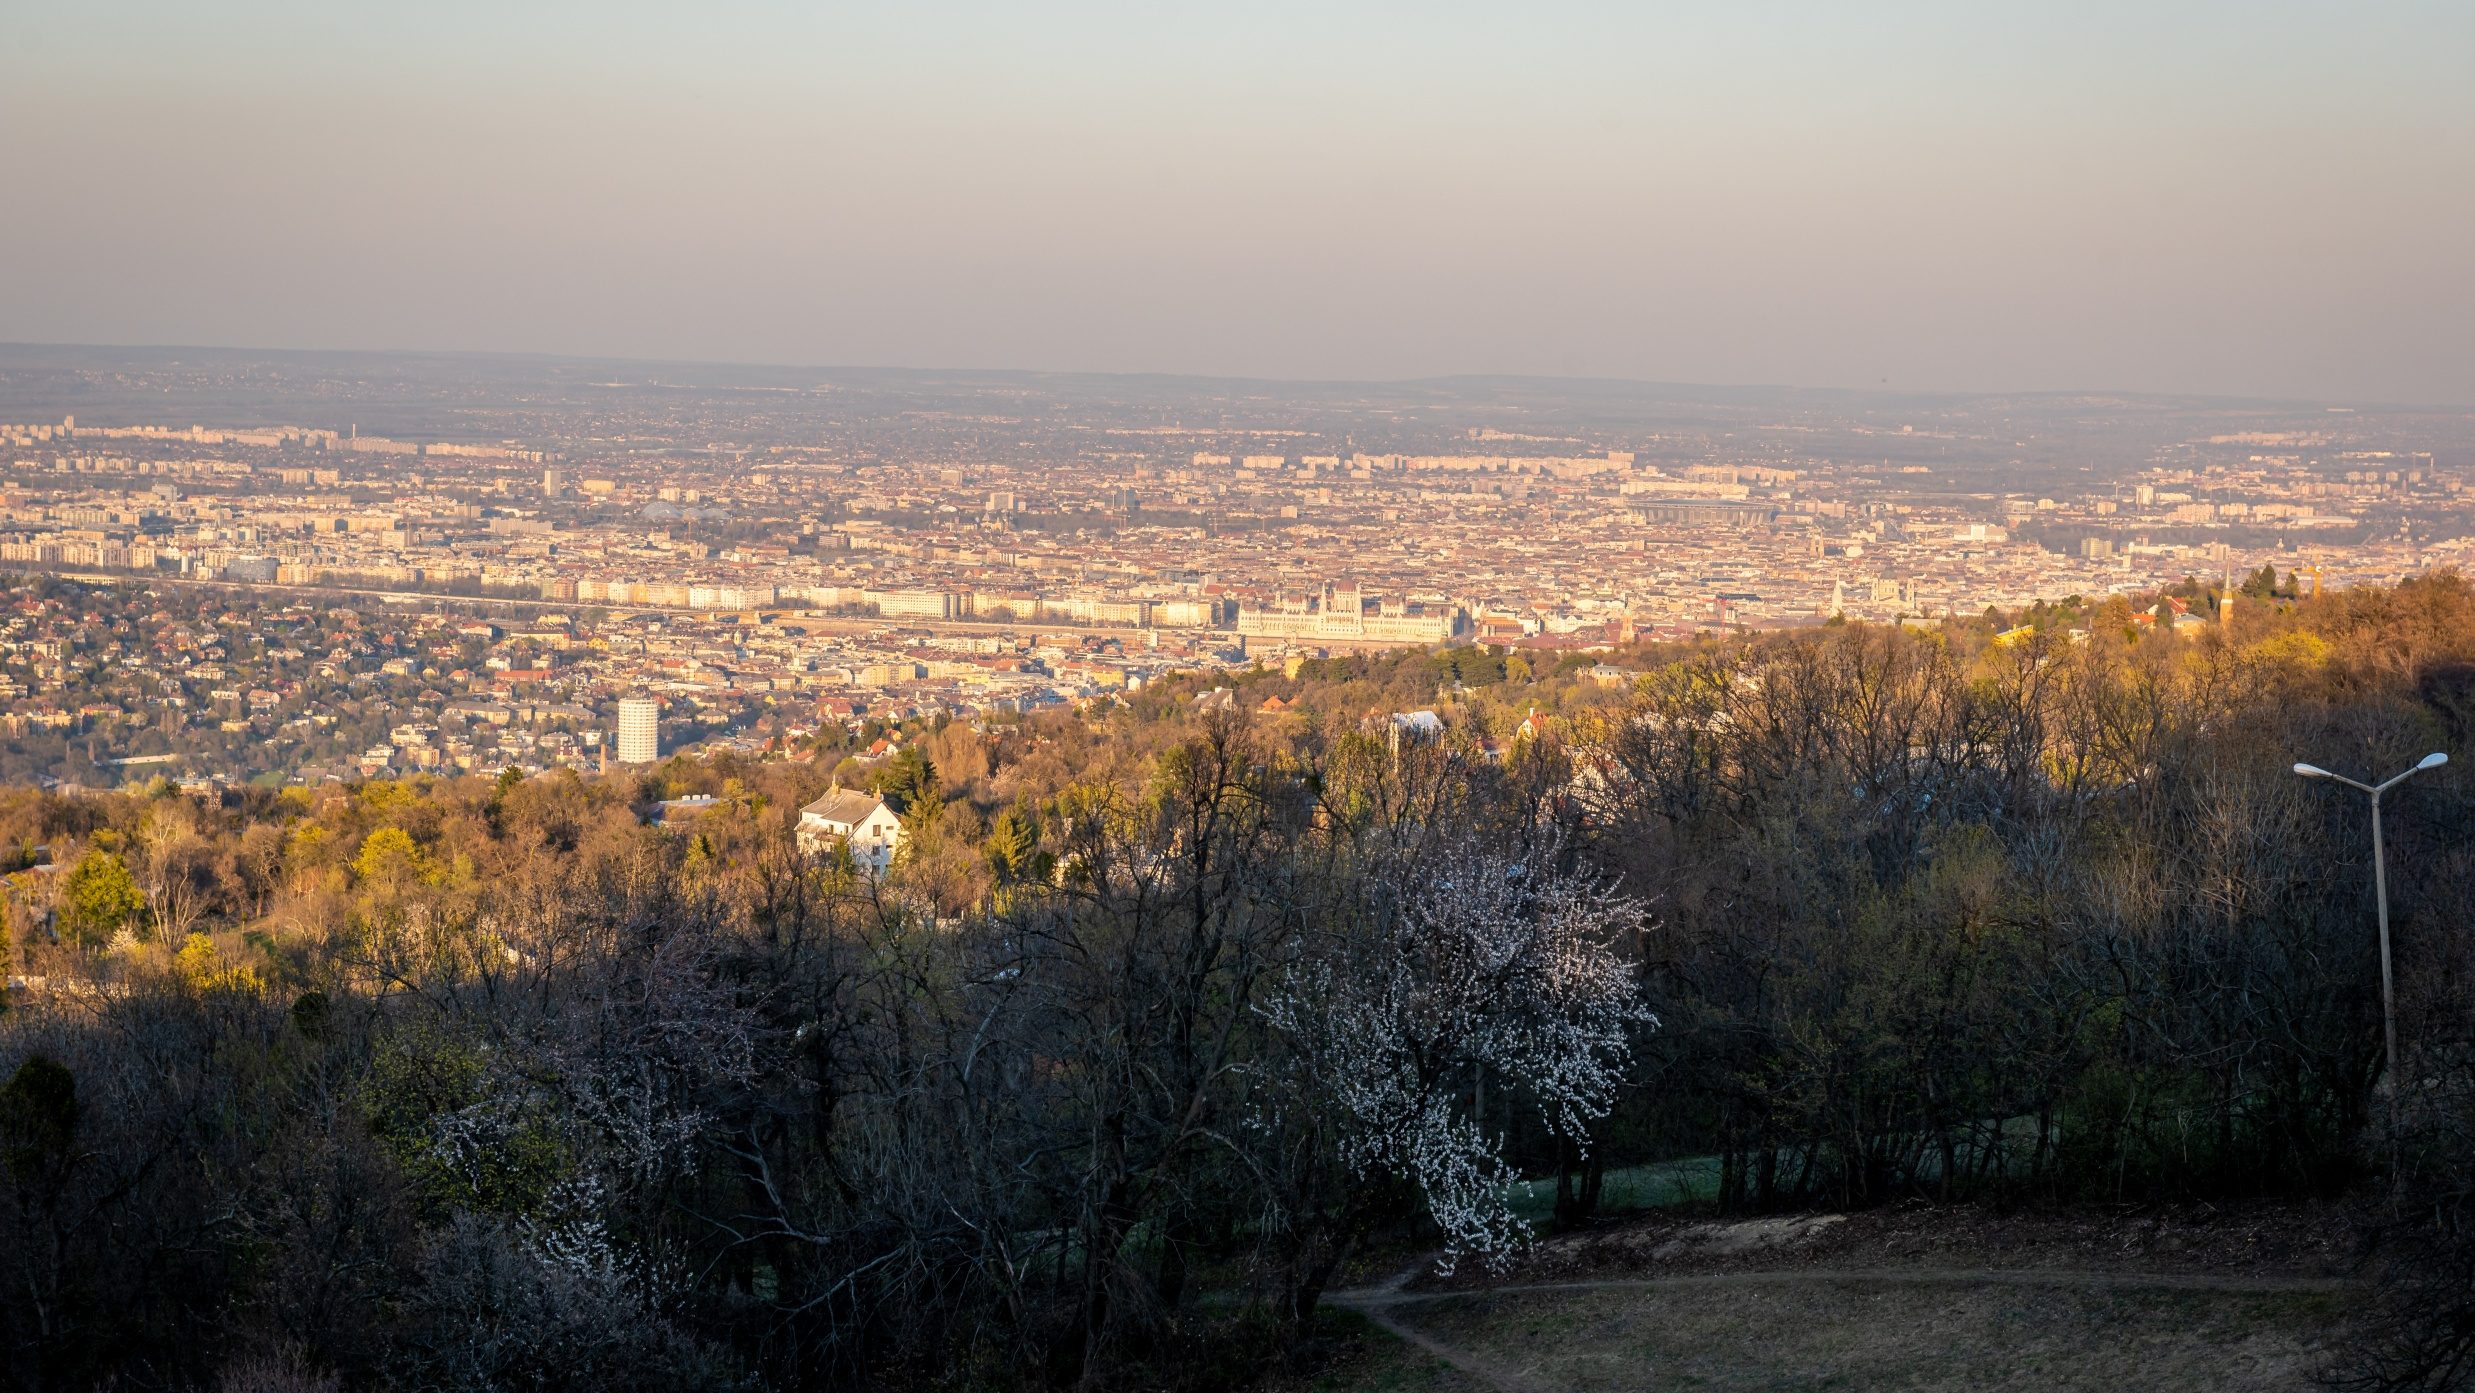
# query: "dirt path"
1380 1303
1479 1367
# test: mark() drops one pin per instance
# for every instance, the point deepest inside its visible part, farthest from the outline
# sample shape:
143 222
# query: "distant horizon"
1877 390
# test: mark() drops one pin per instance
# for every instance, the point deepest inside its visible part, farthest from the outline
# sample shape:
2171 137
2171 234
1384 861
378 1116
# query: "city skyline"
778 552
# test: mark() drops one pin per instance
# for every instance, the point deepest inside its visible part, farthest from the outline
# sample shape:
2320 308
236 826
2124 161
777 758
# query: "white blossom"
1467 964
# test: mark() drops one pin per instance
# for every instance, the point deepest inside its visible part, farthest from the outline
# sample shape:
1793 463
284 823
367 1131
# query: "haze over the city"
2262 200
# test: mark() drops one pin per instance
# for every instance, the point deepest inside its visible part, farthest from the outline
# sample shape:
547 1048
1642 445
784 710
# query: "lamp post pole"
2388 984
2380 902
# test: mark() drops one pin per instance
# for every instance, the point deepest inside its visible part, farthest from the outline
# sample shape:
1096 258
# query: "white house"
849 817
1413 726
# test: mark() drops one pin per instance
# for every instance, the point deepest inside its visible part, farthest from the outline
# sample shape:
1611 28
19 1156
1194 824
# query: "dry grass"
1355 1357
1870 1334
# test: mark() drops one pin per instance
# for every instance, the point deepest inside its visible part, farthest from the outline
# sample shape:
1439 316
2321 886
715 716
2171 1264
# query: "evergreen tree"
98 898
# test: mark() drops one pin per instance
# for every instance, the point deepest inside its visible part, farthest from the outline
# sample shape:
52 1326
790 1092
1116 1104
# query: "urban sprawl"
878 553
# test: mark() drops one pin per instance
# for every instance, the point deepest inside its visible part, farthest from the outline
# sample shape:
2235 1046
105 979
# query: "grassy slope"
1356 1357
1857 1335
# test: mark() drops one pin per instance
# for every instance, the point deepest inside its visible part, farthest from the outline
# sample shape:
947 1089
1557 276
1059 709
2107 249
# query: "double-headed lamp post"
2380 900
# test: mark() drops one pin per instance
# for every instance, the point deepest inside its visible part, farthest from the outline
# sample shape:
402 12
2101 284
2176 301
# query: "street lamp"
2380 900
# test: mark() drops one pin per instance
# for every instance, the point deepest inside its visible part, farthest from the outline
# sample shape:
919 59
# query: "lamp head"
2433 760
2312 771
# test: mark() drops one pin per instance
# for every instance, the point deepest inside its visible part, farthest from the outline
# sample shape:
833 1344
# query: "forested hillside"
1169 1007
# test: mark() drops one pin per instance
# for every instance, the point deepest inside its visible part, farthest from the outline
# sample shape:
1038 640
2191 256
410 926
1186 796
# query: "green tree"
1013 846
98 898
908 781
389 856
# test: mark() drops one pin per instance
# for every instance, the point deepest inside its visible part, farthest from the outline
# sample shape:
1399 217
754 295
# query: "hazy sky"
2254 197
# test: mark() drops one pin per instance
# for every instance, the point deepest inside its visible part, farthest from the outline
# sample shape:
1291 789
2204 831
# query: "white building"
1341 614
730 596
1185 614
640 730
912 604
861 821
1413 727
